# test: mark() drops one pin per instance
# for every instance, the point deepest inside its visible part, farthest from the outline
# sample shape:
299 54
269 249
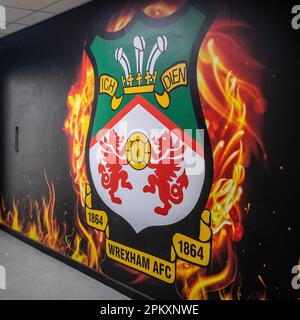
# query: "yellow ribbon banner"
95 218
193 251
109 86
175 77
141 261
171 79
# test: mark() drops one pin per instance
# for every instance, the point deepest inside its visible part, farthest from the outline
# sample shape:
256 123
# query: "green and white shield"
148 144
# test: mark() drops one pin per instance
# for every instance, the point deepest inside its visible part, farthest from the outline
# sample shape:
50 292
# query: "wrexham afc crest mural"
149 155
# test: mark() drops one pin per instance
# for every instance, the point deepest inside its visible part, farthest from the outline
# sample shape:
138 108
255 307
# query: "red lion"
111 166
166 165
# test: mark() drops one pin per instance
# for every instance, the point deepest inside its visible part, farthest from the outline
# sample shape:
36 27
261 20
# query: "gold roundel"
138 151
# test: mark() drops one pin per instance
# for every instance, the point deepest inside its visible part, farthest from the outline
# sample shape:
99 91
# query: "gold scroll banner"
109 86
197 252
141 261
171 79
194 251
95 218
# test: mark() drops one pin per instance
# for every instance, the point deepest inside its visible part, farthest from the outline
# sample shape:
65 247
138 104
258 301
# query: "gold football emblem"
138 151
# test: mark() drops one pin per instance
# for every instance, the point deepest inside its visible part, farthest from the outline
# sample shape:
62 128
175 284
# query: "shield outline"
197 106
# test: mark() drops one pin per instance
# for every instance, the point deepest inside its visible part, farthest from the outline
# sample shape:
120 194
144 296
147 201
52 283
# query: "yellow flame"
80 101
224 98
37 220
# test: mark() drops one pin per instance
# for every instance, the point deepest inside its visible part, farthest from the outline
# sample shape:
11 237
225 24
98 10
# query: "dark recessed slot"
17 139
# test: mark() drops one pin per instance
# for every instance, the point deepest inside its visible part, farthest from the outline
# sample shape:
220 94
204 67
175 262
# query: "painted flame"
227 98
38 221
80 101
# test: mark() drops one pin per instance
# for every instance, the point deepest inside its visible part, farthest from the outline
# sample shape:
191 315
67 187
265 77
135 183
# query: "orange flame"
227 99
37 220
80 101
39 223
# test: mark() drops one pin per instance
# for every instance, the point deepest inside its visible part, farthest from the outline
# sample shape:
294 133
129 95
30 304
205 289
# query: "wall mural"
163 121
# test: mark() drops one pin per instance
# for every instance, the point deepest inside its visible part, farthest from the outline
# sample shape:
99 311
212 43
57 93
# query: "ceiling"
21 14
